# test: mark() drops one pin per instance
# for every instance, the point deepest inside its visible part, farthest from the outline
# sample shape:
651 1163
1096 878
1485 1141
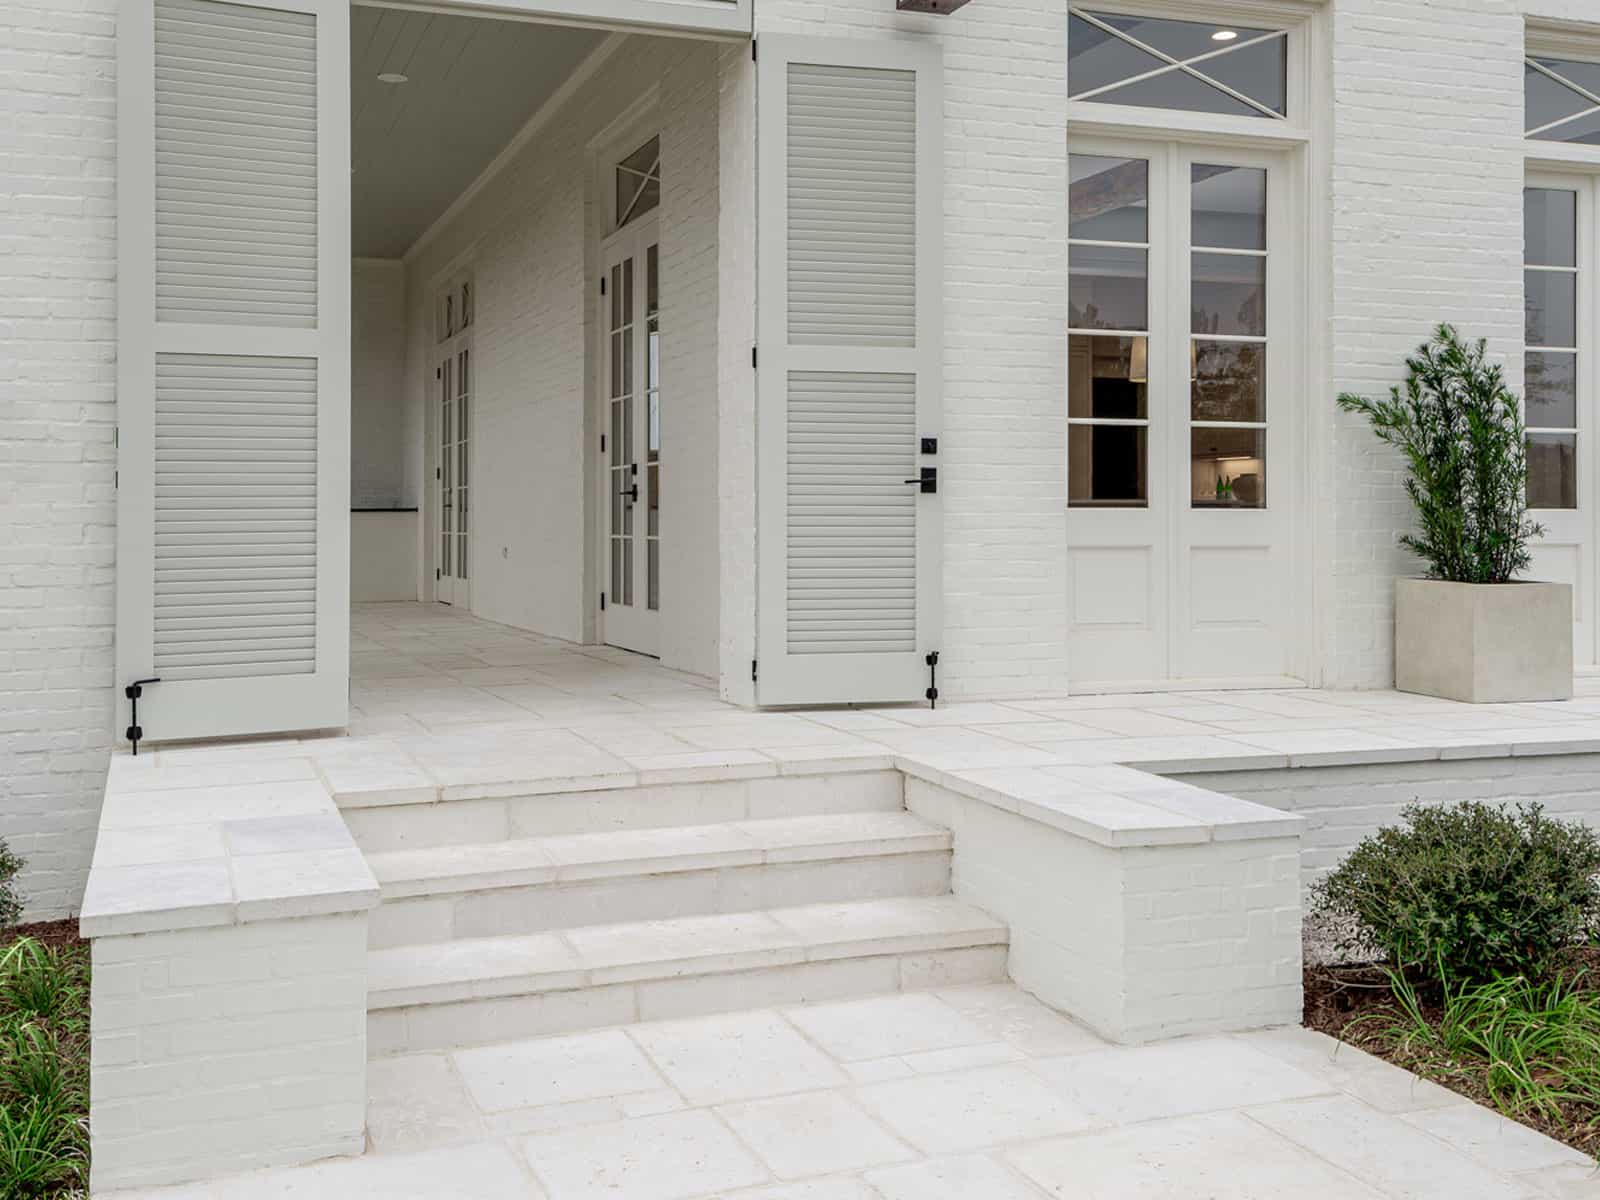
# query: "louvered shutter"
849 369
233 365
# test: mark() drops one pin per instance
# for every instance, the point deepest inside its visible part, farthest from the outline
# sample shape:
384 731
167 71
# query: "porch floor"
972 1093
444 700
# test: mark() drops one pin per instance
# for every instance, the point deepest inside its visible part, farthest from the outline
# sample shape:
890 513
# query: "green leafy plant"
10 902
1460 429
1532 1046
1465 892
44 1070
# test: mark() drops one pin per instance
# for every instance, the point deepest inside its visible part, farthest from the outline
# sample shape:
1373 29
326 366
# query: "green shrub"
1467 892
10 903
1460 429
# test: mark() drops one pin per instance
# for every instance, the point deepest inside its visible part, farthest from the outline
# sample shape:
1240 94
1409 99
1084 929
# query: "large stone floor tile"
1495 1141
1170 1079
1218 1156
670 1157
815 1133
882 1026
972 1110
739 1056
1010 1014
418 1101
555 1070
1402 1161
971 1177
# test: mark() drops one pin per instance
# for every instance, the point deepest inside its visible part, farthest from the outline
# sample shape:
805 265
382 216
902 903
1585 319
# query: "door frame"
446 282
1576 526
1289 343
636 236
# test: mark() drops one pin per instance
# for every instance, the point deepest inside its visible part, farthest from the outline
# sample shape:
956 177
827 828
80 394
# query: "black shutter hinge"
752 356
602 602
752 50
602 285
933 679
438 372
602 443
133 691
438 574
753 664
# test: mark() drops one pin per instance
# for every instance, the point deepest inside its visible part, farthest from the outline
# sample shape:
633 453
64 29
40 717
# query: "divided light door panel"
1167 581
849 204
233 369
1558 391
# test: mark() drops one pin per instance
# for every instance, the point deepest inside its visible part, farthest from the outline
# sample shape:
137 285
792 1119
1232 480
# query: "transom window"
638 182
1195 66
1562 100
453 310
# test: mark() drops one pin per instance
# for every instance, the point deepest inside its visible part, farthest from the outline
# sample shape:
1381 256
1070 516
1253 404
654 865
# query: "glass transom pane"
1187 65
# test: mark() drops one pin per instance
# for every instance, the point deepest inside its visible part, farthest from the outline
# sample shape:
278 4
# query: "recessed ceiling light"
393 77
1221 35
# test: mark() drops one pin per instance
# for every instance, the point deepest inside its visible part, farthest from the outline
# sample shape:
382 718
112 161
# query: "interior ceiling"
472 83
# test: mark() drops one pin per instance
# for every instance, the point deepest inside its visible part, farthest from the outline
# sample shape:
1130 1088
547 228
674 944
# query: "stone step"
384 822
478 990
531 885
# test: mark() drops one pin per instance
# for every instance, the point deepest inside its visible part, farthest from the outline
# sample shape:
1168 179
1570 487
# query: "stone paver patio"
973 1093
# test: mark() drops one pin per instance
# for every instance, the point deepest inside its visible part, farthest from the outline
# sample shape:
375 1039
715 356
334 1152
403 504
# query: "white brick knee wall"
221 1049
1342 805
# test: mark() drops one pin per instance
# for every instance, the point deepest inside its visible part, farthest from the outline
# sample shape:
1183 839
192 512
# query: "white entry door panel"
1180 493
453 474
848 198
233 371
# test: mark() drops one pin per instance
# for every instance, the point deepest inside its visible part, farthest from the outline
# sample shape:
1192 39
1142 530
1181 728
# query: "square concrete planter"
1483 642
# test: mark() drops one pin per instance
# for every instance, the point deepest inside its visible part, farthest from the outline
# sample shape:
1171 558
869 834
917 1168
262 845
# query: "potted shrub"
1469 630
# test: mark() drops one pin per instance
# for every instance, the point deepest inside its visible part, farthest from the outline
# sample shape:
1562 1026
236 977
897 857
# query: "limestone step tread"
595 955
571 857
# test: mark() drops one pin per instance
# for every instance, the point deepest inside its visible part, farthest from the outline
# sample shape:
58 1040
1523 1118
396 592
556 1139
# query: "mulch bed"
1336 996
54 934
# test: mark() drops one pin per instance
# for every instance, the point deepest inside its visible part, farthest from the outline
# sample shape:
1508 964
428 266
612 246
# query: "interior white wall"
528 236
384 545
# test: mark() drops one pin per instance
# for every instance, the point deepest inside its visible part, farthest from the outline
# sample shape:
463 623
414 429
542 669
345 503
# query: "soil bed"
1337 997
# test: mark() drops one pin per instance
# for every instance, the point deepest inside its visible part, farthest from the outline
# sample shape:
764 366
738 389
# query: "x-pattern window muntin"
635 176
1191 65
1559 71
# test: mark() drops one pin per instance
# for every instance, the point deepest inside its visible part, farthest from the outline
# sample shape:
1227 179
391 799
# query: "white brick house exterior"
1413 164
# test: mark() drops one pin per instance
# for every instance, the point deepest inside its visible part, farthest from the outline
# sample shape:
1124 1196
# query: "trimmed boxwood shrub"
10 903
1465 892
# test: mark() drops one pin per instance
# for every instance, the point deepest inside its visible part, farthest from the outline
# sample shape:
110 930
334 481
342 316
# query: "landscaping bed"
44 1062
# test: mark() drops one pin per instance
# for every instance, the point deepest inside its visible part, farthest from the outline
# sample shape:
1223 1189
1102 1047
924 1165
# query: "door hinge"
752 356
438 574
602 285
753 672
438 372
602 602
752 50
437 474
932 693
602 443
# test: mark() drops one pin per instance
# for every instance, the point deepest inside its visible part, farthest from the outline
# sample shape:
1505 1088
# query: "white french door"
1558 388
452 474
1180 410
630 303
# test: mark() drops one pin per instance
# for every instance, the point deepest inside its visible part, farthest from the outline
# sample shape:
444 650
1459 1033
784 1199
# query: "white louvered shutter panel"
233 373
848 205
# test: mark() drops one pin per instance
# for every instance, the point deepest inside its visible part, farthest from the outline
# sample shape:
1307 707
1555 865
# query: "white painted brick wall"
1427 168
221 1049
57 413
534 298
1342 805
1139 943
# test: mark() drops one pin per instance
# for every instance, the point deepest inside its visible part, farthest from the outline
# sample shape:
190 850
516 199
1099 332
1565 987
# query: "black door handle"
928 478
